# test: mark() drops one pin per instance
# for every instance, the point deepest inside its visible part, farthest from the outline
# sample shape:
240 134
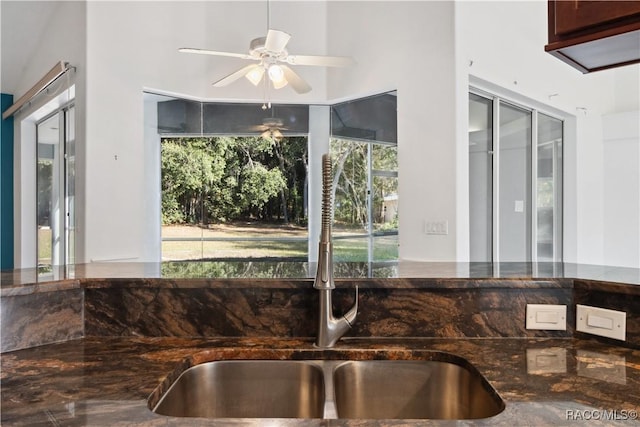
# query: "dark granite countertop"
260 273
107 381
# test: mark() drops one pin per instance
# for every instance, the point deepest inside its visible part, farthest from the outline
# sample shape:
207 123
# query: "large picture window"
234 198
234 180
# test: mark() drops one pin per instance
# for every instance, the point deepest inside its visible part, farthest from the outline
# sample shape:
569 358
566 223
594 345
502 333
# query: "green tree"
188 167
227 178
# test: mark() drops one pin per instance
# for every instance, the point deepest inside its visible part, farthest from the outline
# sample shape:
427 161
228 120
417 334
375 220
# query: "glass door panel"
49 193
549 189
514 181
480 178
55 176
70 185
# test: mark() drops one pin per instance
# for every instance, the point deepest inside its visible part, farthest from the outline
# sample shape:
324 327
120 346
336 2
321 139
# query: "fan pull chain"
267 102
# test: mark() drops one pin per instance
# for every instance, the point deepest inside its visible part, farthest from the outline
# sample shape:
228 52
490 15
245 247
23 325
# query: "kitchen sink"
246 389
412 390
444 387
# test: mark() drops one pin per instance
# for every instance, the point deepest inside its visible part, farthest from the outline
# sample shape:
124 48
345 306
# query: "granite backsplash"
288 308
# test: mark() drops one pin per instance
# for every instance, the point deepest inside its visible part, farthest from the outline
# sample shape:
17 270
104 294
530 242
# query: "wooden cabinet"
594 35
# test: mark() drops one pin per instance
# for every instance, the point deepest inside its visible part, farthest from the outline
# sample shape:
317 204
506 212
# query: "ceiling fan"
272 58
271 128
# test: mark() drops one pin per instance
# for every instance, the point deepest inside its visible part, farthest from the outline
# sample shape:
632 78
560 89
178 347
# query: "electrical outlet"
547 317
601 321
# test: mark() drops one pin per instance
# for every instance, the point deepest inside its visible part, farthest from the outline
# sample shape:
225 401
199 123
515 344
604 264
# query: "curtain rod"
59 69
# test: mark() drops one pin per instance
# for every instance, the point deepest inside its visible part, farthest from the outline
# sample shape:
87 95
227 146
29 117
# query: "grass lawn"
44 245
351 249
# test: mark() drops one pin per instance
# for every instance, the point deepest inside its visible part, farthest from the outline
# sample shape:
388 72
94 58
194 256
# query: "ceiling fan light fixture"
280 84
255 75
276 74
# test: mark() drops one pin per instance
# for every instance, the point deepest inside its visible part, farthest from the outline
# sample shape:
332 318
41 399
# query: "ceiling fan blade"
266 134
324 61
277 134
296 82
276 41
214 52
235 75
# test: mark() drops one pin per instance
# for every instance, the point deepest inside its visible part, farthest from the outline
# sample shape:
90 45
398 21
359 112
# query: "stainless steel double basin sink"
350 389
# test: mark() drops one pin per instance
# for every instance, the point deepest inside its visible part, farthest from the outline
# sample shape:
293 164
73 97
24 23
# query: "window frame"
499 97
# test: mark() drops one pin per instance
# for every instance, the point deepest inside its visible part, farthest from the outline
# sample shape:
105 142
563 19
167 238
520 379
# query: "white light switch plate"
436 227
518 206
547 316
601 321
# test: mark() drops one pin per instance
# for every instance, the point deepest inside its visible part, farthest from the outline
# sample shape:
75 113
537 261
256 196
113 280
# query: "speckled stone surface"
41 318
143 324
108 381
237 307
292 311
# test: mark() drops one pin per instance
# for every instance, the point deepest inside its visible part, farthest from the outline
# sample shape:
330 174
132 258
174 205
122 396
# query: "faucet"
330 328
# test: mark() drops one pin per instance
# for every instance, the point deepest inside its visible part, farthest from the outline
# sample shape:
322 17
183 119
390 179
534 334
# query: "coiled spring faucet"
330 328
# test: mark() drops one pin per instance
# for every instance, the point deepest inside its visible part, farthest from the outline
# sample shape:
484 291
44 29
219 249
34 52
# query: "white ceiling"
18 24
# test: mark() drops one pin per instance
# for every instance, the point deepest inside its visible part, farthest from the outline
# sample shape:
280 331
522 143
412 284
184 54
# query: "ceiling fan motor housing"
258 50
275 122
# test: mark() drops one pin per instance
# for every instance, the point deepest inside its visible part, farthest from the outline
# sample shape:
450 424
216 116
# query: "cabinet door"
577 15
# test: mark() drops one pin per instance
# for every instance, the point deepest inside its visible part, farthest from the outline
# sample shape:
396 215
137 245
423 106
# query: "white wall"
621 216
503 43
426 50
35 36
132 46
408 46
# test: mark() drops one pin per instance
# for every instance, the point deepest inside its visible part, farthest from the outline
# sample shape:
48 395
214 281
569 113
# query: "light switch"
547 317
596 321
519 206
436 227
601 321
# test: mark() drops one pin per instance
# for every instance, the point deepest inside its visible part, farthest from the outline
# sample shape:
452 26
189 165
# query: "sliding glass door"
515 182
56 189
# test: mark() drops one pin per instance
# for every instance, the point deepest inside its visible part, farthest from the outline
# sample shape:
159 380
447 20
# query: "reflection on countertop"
267 269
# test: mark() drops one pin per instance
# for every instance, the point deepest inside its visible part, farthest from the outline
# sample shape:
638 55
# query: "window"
365 202
234 198
364 153
234 180
515 181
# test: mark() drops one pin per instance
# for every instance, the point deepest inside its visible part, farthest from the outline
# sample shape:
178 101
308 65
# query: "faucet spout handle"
350 316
